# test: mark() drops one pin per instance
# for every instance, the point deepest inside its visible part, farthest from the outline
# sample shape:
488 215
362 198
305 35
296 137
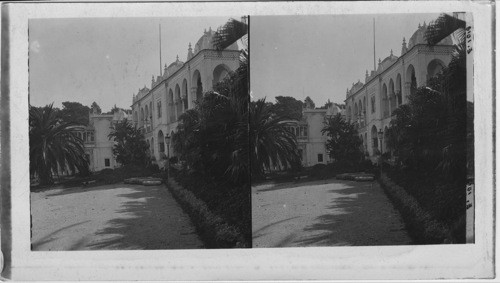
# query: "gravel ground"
324 213
109 217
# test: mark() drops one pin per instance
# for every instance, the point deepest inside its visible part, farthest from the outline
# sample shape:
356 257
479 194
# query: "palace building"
156 110
311 141
98 146
370 104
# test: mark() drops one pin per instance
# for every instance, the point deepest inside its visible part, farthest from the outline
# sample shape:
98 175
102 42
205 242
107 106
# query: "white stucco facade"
98 146
311 141
156 110
370 105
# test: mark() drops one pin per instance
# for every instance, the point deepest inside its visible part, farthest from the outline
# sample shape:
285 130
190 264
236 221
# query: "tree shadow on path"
153 220
361 216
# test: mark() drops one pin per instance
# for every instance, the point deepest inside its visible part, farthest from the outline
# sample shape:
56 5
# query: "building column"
193 94
406 92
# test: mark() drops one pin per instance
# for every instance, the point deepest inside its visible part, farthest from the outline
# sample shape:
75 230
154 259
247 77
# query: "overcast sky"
321 56
105 59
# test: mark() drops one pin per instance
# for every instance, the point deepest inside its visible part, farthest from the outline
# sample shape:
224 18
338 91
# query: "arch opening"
411 80
220 72
374 136
198 84
178 102
398 90
185 94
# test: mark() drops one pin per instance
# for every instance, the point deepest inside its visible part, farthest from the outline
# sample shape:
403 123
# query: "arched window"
356 114
411 79
385 101
398 90
220 72
198 84
178 101
392 96
185 94
374 137
161 142
433 68
171 106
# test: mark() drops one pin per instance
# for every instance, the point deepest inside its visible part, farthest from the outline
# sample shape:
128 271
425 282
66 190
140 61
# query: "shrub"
421 225
229 201
213 229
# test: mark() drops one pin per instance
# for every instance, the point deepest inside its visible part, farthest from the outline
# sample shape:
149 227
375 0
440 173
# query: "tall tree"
130 146
75 112
96 107
54 145
451 84
309 103
343 144
271 144
288 107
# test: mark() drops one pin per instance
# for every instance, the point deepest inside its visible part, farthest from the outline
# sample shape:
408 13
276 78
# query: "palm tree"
54 145
452 84
454 75
270 142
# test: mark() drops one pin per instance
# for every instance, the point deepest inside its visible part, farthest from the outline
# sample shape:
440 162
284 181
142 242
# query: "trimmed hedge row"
214 231
423 228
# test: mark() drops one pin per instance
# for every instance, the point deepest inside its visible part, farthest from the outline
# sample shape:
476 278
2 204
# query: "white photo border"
325 263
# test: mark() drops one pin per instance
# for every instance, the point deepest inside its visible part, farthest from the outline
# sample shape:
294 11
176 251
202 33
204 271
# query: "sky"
105 60
321 55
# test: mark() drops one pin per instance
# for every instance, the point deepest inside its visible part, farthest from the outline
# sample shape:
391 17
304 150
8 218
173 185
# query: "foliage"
130 146
327 105
432 136
213 137
288 107
308 102
421 225
226 35
213 229
270 142
343 144
54 145
211 141
96 107
74 112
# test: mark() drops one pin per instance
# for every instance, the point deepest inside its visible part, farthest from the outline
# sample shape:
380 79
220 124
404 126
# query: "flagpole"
374 66
160 46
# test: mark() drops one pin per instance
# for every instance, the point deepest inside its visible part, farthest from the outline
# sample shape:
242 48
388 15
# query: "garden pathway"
324 213
108 217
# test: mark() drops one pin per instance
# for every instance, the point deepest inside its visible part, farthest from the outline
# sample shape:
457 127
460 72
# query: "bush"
232 203
213 229
444 201
112 176
421 225
174 160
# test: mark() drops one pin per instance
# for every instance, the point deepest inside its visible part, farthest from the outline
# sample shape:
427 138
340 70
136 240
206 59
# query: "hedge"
214 231
421 225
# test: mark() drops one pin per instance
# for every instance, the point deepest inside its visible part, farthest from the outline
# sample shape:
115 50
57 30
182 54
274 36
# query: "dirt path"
324 213
107 217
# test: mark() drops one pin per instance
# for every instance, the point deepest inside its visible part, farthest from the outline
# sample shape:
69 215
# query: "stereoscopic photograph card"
247 141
